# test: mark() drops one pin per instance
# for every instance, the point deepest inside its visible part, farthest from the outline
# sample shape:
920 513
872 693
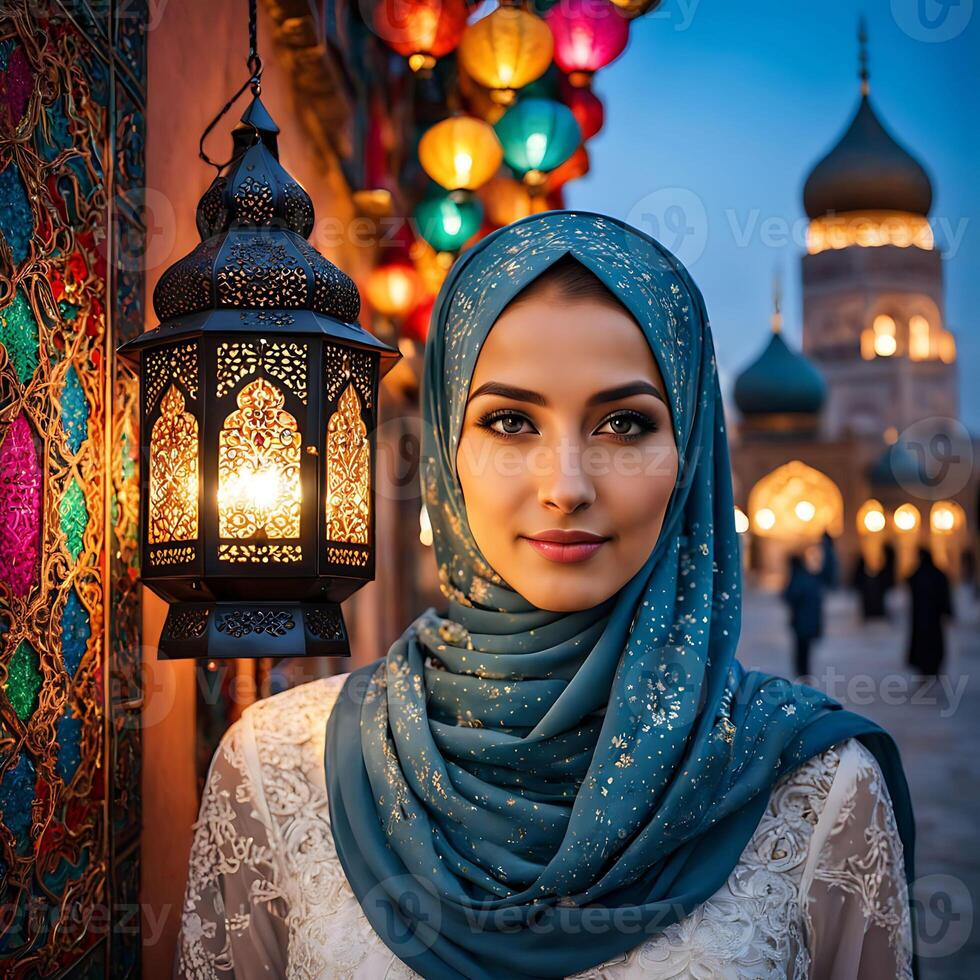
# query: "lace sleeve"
233 919
855 897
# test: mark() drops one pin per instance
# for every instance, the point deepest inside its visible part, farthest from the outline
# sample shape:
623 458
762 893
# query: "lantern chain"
254 81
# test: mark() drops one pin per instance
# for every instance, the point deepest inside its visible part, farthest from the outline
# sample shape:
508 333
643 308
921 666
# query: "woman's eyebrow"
534 398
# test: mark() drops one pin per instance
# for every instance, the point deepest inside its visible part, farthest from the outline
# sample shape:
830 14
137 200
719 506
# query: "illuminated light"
868 344
425 527
946 516
446 219
635 8
589 34
577 165
796 503
394 288
506 50
871 517
906 518
420 30
537 135
805 510
869 229
506 200
460 153
267 418
919 349
874 521
741 521
947 347
885 345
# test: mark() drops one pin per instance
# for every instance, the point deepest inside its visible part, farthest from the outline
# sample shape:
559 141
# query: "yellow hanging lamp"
506 50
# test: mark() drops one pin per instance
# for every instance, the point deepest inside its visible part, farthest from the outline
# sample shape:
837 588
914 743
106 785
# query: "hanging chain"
254 81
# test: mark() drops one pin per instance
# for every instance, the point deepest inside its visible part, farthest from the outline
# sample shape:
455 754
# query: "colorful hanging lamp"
506 200
506 50
393 288
416 324
421 30
446 219
587 108
460 153
577 165
589 34
537 135
259 394
637 8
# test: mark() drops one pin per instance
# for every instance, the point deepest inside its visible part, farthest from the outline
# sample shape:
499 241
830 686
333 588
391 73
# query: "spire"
776 320
863 72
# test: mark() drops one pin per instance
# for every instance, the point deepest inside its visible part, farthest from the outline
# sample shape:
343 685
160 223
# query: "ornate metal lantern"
259 396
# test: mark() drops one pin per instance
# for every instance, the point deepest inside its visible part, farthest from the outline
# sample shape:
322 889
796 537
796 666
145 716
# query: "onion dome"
868 169
778 381
254 265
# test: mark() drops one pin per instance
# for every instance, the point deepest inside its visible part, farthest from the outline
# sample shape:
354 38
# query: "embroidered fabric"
819 891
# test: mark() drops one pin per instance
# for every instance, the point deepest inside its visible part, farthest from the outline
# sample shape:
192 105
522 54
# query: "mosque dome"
780 380
868 170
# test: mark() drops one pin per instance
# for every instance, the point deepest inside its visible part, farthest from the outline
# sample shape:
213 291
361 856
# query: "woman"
566 773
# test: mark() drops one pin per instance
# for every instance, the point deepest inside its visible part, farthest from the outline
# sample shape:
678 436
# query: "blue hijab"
519 793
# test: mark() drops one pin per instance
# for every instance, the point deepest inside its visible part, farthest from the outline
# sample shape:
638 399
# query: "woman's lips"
566 547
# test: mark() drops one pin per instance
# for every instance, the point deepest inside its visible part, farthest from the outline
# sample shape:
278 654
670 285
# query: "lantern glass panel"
172 463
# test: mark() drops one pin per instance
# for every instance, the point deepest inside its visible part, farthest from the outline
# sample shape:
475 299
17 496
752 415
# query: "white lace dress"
819 890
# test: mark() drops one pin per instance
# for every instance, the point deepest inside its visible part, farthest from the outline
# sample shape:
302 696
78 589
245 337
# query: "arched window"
173 472
348 472
259 492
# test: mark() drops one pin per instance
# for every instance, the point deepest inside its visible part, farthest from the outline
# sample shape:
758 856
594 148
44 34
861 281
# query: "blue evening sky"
717 110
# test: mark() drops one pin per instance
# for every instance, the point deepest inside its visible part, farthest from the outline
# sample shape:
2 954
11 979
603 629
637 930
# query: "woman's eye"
505 423
628 425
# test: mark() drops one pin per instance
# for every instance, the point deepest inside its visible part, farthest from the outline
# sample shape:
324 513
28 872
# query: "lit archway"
796 503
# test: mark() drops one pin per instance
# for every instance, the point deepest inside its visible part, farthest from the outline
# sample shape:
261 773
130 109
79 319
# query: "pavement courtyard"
937 729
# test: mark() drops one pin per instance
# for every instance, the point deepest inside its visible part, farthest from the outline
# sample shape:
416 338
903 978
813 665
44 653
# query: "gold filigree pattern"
172 556
346 556
343 365
259 493
261 272
285 361
282 554
348 472
167 365
173 472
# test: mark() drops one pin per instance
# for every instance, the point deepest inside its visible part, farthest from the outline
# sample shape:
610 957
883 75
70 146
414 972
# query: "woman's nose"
563 484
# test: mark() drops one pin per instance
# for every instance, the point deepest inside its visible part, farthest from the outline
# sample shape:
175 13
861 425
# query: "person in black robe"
870 587
804 596
931 605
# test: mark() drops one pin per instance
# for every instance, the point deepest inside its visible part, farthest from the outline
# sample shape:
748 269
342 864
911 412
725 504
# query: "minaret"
873 310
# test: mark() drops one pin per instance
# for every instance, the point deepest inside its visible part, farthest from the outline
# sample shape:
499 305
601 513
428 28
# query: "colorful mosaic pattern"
71 87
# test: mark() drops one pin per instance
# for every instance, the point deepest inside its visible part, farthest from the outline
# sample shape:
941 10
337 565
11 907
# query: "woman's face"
567 457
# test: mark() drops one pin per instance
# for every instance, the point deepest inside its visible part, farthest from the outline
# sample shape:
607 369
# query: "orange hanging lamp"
460 153
421 30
